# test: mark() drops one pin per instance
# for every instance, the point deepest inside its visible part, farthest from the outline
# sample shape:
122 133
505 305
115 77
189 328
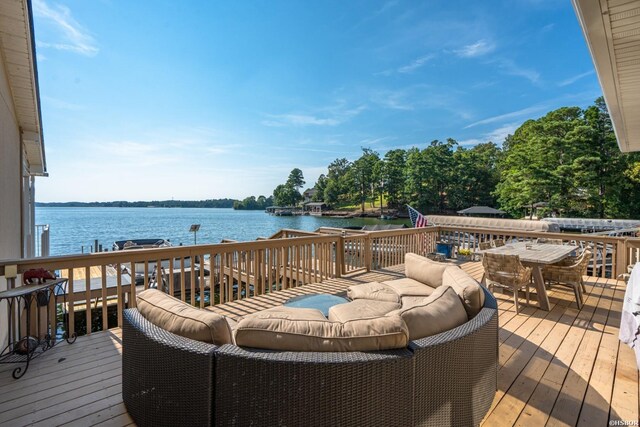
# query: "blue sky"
159 99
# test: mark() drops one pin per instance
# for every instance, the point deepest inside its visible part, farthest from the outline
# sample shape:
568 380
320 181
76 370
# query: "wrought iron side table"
22 346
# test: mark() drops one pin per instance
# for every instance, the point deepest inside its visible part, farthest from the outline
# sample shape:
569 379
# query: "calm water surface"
73 228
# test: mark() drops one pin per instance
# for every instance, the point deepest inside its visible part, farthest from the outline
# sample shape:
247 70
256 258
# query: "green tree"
430 174
286 195
570 159
336 190
320 186
363 175
296 179
251 203
393 176
475 176
417 176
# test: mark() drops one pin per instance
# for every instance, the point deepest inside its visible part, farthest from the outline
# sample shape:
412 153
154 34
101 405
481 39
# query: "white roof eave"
605 42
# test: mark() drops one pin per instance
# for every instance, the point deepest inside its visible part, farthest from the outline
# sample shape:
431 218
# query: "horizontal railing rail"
201 275
103 284
609 257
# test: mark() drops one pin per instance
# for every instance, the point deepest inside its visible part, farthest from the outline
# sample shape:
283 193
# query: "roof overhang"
17 46
612 31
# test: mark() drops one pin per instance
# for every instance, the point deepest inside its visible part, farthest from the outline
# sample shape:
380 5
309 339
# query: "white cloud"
479 48
496 136
393 99
409 68
422 96
299 120
512 115
330 116
62 105
73 36
573 79
416 64
511 68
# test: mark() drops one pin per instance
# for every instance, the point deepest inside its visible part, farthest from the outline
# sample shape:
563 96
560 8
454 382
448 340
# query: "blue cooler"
444 248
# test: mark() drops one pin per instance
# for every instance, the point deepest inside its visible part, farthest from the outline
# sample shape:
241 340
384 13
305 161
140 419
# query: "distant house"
308 195
315 208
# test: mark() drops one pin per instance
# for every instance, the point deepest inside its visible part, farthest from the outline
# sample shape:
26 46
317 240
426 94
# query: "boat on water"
151 269
122 245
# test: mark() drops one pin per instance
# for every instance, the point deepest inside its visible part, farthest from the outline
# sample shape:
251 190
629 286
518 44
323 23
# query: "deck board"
559 367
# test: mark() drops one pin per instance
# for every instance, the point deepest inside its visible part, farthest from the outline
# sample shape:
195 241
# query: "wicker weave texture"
446 379
256 387
456 372
572 273
483 246
506 270
166 379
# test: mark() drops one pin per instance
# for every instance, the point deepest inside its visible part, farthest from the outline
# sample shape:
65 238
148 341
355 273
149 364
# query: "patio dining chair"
508 272
497 243
483 246
571 275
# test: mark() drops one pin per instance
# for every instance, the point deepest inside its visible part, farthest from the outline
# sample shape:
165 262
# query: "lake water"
73 228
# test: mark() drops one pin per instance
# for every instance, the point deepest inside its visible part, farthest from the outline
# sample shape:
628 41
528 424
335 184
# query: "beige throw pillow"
424 270
408 287
466 287
438 313
373 291
182 319
361 309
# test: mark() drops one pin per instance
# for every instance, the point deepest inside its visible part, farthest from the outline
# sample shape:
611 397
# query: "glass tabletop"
322 302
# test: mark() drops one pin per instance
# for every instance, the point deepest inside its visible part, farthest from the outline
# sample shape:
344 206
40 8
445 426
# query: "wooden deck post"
368 252
622 255
340 267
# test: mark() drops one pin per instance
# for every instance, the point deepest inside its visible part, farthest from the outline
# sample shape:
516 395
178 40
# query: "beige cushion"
361 309
374 290
409 287
408 301
466 287
424 270
292 313
182 319
286 331
441 312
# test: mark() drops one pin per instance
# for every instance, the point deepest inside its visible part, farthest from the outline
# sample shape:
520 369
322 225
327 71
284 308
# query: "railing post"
622 255
340 267
368 252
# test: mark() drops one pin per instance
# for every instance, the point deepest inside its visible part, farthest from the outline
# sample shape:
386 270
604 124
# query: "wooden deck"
561 367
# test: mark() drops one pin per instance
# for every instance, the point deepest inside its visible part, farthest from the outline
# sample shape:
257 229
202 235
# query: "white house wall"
10 184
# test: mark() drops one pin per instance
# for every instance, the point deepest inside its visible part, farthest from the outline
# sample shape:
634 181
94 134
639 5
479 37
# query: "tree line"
568 159
211 203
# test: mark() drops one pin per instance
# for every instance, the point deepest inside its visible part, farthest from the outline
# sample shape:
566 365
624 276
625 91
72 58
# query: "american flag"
417 219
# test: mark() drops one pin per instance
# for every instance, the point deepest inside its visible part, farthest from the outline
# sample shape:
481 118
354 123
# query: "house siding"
10 184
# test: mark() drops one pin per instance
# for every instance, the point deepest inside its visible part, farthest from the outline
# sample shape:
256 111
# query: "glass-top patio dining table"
536 256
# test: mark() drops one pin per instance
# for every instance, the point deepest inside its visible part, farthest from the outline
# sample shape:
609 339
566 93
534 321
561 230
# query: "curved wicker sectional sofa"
445 379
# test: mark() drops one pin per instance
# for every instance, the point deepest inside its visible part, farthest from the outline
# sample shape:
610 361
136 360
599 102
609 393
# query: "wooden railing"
609 257
103 284
632 246
201 275
388 248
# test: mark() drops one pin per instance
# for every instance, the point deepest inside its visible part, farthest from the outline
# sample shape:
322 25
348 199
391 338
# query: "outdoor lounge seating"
383 366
